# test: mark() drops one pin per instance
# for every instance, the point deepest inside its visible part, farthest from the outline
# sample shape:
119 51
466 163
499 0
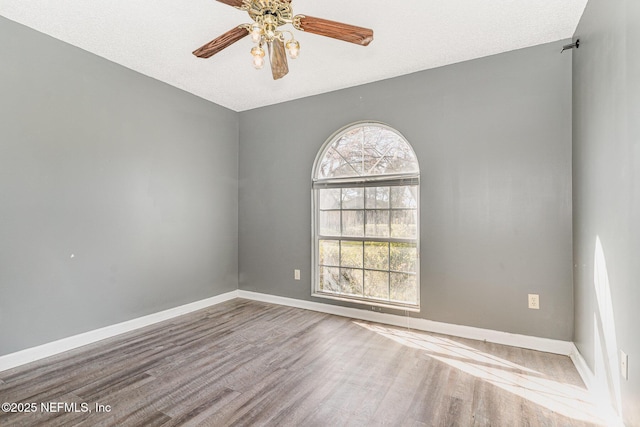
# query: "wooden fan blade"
336 30
234 3
278 59
221 42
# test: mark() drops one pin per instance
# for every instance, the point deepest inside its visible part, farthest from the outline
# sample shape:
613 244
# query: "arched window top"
366 149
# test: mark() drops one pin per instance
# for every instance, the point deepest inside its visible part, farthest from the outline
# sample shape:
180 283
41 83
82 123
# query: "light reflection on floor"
566 399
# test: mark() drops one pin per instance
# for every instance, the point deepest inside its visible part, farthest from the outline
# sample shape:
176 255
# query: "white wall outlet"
296 274
534 301
624 365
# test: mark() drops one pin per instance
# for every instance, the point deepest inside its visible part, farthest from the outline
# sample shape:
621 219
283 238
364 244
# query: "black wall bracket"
571 46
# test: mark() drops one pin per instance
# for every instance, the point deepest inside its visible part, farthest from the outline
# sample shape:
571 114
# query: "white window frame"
351 182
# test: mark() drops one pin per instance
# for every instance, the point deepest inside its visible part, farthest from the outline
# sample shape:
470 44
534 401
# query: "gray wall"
139 181
606 200
136 179
493 138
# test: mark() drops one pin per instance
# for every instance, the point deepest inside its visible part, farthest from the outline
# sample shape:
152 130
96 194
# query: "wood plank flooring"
250 363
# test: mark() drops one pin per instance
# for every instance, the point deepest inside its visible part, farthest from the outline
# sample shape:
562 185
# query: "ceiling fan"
268 16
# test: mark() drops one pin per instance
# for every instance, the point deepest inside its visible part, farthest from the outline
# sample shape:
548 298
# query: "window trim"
412 178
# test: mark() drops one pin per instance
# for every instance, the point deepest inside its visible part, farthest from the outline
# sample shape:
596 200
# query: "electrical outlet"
534 301
624 365
296 274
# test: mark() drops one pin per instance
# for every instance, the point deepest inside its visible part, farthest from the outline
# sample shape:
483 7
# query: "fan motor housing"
280 10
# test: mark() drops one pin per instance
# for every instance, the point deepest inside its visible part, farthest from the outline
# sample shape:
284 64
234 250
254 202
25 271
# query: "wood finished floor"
250 363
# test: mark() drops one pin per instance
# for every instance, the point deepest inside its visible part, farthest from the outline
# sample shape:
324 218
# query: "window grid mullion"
374 209
340 244
409 273
389 268
364 232
368 239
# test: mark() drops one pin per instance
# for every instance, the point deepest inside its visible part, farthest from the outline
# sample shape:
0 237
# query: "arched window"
366 219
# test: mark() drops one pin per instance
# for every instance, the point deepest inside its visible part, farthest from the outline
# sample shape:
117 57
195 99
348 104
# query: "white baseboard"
523 341
40 352
588 377
582 367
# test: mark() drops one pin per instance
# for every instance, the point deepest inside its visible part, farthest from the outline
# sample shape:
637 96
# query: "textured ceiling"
156 38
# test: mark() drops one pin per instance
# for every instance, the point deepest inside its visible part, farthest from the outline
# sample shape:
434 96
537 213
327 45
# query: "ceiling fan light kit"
268 16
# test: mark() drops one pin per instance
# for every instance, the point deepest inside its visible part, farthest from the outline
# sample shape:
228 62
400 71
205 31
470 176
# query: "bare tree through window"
366 222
